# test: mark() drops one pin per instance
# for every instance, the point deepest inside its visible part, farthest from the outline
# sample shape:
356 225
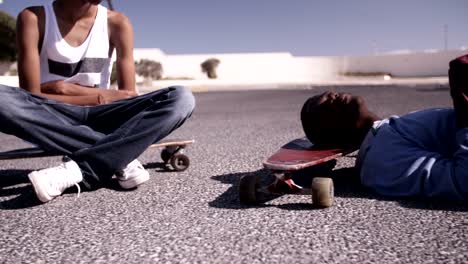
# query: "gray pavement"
195 216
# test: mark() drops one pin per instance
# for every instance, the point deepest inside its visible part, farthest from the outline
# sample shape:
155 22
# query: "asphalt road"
195 216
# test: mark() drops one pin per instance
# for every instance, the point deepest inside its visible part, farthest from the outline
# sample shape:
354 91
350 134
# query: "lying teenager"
424 153
65 106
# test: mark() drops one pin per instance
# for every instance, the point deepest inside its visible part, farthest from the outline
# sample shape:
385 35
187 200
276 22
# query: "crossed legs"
100 139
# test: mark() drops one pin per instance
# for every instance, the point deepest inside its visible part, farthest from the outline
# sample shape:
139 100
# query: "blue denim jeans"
101 139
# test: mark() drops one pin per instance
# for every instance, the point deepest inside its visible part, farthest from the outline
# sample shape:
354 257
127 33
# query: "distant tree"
7 37
209 67
149 69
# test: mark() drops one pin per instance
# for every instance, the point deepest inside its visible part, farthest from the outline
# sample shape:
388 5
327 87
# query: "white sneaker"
52 182
133 175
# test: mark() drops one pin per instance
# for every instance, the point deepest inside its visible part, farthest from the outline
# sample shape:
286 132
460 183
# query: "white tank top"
88 64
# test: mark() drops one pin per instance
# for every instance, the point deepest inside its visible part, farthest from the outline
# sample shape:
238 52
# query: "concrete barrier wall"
244 67
316 68
283 67
257 66
417 64
9 81
236 66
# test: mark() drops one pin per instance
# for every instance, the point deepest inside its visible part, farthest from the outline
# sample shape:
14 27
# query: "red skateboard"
296 155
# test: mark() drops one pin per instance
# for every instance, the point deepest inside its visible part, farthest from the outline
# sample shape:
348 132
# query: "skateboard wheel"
180 162
322 192
248 189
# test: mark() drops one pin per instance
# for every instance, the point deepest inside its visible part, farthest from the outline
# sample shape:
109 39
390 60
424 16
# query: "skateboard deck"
300 153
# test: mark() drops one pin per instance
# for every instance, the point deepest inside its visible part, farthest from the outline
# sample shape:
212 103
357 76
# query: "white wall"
9 81
283 67
316 68
245 67
151 54
256 66
416 64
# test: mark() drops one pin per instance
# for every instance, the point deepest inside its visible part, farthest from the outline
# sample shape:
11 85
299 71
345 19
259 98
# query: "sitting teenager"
423 153
65 106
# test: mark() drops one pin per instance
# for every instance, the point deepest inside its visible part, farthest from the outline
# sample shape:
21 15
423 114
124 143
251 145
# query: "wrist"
61 87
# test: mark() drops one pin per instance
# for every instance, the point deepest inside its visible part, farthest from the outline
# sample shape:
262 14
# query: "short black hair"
321 136
309 114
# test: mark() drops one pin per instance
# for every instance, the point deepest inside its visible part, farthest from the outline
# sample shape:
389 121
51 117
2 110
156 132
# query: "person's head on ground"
336 119
458 80
458 76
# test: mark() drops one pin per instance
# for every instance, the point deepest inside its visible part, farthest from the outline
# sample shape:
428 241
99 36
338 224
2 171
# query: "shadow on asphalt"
159 167
346 183
19 193
16 191
12 184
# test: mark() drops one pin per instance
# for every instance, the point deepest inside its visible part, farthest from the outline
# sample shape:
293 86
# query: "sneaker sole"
38 188
134 182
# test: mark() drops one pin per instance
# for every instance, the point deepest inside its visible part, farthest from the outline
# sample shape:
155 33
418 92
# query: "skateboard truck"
321 190
284 184
174 155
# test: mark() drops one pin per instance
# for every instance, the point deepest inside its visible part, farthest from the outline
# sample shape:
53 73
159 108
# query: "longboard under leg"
172 153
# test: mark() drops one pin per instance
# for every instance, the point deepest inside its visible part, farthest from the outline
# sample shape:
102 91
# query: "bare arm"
121 37
28 36
103 96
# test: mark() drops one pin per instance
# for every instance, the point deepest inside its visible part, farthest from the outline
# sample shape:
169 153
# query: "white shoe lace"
79 191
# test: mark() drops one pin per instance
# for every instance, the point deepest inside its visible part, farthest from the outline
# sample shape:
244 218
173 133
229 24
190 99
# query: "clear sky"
302 27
